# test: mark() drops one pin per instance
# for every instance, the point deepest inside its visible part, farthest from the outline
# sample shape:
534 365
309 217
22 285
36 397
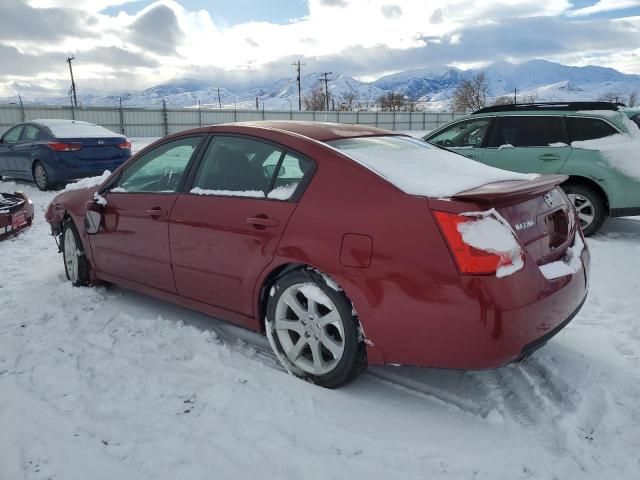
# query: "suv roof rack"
572 106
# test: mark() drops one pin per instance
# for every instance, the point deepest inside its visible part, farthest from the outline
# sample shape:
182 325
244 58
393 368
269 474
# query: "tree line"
471 94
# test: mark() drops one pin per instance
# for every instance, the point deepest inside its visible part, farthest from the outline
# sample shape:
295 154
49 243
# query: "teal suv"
596 143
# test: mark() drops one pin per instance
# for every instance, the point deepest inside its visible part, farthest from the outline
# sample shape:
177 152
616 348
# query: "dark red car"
16 213
346 245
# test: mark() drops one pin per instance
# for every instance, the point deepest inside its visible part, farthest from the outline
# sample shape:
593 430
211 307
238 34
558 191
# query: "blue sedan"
51 152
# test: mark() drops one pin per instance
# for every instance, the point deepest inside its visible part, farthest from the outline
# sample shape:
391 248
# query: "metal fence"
144 122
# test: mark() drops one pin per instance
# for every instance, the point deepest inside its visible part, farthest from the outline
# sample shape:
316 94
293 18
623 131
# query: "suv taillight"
470 260
126 145
64 147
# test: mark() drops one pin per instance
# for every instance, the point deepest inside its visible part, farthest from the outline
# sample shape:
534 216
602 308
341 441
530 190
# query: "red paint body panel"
413 304
16 213
216 254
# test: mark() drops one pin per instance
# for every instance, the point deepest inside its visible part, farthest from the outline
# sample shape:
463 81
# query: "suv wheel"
590 206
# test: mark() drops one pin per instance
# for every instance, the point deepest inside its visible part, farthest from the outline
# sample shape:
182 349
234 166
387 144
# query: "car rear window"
418 168
76 129
531 131
588 129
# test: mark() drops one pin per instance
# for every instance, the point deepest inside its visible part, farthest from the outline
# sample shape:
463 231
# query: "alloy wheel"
42 178
71 256
309 329
584 207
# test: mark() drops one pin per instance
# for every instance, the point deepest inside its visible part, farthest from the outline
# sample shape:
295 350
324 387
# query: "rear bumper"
63 168
484 322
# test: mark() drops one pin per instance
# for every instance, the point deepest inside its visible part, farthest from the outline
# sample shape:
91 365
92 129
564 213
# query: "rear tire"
589 204
41 176
318 339
76 266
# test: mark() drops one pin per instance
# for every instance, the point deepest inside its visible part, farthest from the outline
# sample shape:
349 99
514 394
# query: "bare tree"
393 102
633 98
348 101
316 100
503 100
471 94
613 97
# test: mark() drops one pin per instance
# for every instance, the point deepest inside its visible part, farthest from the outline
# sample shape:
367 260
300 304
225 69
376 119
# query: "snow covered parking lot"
103 383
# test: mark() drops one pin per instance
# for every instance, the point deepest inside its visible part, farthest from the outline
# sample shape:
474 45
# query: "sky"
123 45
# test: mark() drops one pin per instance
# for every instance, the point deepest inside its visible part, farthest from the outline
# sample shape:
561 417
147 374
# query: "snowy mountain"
431 87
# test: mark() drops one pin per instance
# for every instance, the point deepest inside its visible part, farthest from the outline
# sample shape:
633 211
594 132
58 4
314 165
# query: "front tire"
41 176
590 206
313 331
76 266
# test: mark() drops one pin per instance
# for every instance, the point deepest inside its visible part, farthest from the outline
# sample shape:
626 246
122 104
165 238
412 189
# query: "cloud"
16 63
19 21
391 11
334 3
604 6
156 29
437 16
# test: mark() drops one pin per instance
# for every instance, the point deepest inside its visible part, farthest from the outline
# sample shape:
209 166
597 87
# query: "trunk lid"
538 211
99 148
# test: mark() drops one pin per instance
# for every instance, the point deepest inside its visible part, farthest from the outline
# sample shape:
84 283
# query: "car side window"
237 167
29 134
289 176
588 129
636 119
467 134
159 170
530 131
13 135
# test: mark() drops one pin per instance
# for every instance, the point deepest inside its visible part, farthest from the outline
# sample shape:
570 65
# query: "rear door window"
530 131
243 167
636 118
29 134
588 129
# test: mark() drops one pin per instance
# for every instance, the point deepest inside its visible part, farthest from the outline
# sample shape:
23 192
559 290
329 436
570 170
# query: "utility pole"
298 79
326 86
73 83
21 108
219 102
515 96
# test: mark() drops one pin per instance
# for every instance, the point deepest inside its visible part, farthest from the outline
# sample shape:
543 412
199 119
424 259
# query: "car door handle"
262 221
154 212
549 157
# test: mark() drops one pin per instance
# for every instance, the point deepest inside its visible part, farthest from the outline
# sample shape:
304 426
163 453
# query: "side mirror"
93 218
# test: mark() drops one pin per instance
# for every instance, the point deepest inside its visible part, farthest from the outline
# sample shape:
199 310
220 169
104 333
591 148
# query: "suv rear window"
532 131
588 129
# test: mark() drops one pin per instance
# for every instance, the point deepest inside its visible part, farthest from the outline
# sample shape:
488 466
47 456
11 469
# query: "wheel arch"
588 182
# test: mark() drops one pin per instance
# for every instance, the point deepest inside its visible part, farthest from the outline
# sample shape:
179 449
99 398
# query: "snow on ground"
103 383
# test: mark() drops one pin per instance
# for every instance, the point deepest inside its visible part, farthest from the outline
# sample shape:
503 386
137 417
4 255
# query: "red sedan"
346 245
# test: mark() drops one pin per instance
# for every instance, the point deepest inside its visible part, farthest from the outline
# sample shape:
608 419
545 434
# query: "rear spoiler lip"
511 189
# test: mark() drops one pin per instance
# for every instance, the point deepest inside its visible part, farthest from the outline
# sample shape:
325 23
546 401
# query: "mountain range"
432 88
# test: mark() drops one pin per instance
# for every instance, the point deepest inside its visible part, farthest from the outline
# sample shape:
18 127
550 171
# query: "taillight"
126 145
64 147
470 260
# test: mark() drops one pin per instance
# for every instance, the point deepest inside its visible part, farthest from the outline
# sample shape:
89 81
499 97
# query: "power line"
326 86
73 83
298 79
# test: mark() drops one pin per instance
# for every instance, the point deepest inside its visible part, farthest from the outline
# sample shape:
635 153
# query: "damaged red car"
346 245
16 213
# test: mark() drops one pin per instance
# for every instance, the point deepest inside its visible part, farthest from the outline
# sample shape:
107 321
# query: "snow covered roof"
61 128
418 168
